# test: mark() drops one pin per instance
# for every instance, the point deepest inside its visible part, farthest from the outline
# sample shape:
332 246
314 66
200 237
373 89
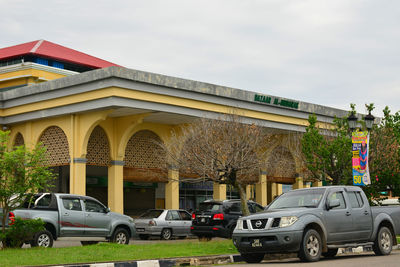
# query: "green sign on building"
276 101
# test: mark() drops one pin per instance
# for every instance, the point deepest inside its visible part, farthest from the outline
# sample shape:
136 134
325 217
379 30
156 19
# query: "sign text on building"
276 101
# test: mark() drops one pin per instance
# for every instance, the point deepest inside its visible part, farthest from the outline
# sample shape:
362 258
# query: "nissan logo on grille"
258 223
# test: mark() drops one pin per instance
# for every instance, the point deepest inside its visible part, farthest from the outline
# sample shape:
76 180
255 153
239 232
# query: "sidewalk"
204 260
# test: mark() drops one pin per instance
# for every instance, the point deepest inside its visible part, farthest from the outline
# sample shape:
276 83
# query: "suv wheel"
252 257
166 234
383 242
120 236
311 246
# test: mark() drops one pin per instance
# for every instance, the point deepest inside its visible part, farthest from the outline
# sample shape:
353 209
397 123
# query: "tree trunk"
243 200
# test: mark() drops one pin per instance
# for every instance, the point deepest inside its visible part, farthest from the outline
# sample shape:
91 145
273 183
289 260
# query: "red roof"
54 51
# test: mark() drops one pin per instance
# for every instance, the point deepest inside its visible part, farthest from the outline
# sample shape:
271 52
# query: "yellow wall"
26 76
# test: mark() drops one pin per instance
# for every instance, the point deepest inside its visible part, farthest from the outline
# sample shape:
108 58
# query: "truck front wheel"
311 246
252 257
42 239
383 242
120 236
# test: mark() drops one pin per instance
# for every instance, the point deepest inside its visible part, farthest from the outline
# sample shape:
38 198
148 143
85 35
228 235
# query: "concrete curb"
206 260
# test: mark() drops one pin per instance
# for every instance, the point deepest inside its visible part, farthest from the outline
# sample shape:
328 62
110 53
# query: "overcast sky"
331 53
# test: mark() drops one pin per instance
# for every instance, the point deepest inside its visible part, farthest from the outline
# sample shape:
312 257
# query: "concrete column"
248 192
172 190
278 189
261 190
219 191
316 184
77 182
299 183
116 186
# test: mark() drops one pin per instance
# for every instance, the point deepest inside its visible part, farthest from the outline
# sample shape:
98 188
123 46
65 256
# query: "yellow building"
99 122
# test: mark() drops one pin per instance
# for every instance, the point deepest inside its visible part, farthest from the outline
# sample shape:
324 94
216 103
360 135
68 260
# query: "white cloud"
327 52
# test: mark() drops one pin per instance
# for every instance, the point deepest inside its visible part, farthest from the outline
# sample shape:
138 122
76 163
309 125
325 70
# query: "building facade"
100 123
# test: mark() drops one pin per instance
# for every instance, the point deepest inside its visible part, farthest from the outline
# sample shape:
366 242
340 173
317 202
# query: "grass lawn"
104 252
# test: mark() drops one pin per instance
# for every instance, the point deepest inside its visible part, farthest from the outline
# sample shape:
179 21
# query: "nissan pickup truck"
317 221
68 216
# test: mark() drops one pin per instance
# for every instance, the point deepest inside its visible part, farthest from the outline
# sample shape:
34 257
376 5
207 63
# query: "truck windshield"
299 198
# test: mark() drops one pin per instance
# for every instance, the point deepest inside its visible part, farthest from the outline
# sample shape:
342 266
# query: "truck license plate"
256 243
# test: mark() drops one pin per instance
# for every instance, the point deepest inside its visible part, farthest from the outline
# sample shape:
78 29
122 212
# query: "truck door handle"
366 212
348 213
66 214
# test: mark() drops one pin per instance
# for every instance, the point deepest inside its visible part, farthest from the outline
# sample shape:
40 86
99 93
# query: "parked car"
317 221
80 217
217 218
163 223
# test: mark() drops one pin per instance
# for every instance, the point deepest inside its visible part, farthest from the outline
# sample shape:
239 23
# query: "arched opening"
98 160
19 140
144 173
58 158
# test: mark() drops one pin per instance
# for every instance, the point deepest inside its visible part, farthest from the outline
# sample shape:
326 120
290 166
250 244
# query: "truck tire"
42 239
166 234
87 243
120 236
311 246
383 242
330 253
252 257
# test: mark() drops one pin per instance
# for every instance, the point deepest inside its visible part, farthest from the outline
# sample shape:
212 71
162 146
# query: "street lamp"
352 120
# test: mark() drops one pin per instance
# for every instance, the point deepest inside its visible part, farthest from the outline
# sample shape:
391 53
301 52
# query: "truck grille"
259 223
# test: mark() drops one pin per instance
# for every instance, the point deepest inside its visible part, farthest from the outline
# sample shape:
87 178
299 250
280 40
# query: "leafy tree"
384 156
225 151
327 153
21 172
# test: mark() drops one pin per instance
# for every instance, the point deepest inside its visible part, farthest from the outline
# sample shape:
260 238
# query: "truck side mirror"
108 210
333 203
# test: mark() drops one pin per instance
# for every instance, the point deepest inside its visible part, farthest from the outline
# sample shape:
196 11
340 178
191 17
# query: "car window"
72 204
172 215
150 214
93 206
258 208
185 216
360 199
354 200
235 207
338 195
210 207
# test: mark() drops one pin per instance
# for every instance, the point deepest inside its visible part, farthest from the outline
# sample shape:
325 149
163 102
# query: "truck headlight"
287 221
239 225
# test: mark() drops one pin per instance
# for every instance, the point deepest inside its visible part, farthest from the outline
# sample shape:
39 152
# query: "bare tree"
226 151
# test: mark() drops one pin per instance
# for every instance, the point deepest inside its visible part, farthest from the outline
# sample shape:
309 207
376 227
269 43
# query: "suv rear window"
151 214
210 207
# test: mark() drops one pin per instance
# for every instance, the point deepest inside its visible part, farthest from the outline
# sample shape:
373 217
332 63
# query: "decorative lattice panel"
56 143
19 140
142 151
98 149
281 163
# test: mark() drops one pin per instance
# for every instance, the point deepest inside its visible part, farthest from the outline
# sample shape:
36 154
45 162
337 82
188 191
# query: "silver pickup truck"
317 221
69 216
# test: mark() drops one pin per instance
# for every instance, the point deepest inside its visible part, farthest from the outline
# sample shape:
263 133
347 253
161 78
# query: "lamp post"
360 147
368 119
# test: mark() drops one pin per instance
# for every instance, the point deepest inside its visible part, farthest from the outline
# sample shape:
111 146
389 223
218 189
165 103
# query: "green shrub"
21 231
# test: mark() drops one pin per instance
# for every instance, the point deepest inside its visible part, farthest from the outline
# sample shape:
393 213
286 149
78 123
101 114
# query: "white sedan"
163 223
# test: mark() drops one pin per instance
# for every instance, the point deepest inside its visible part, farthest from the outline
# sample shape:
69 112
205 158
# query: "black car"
217 218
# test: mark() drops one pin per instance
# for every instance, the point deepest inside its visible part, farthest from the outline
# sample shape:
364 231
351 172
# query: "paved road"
353 260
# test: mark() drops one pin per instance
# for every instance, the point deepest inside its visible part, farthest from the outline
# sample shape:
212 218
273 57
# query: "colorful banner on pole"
360 142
